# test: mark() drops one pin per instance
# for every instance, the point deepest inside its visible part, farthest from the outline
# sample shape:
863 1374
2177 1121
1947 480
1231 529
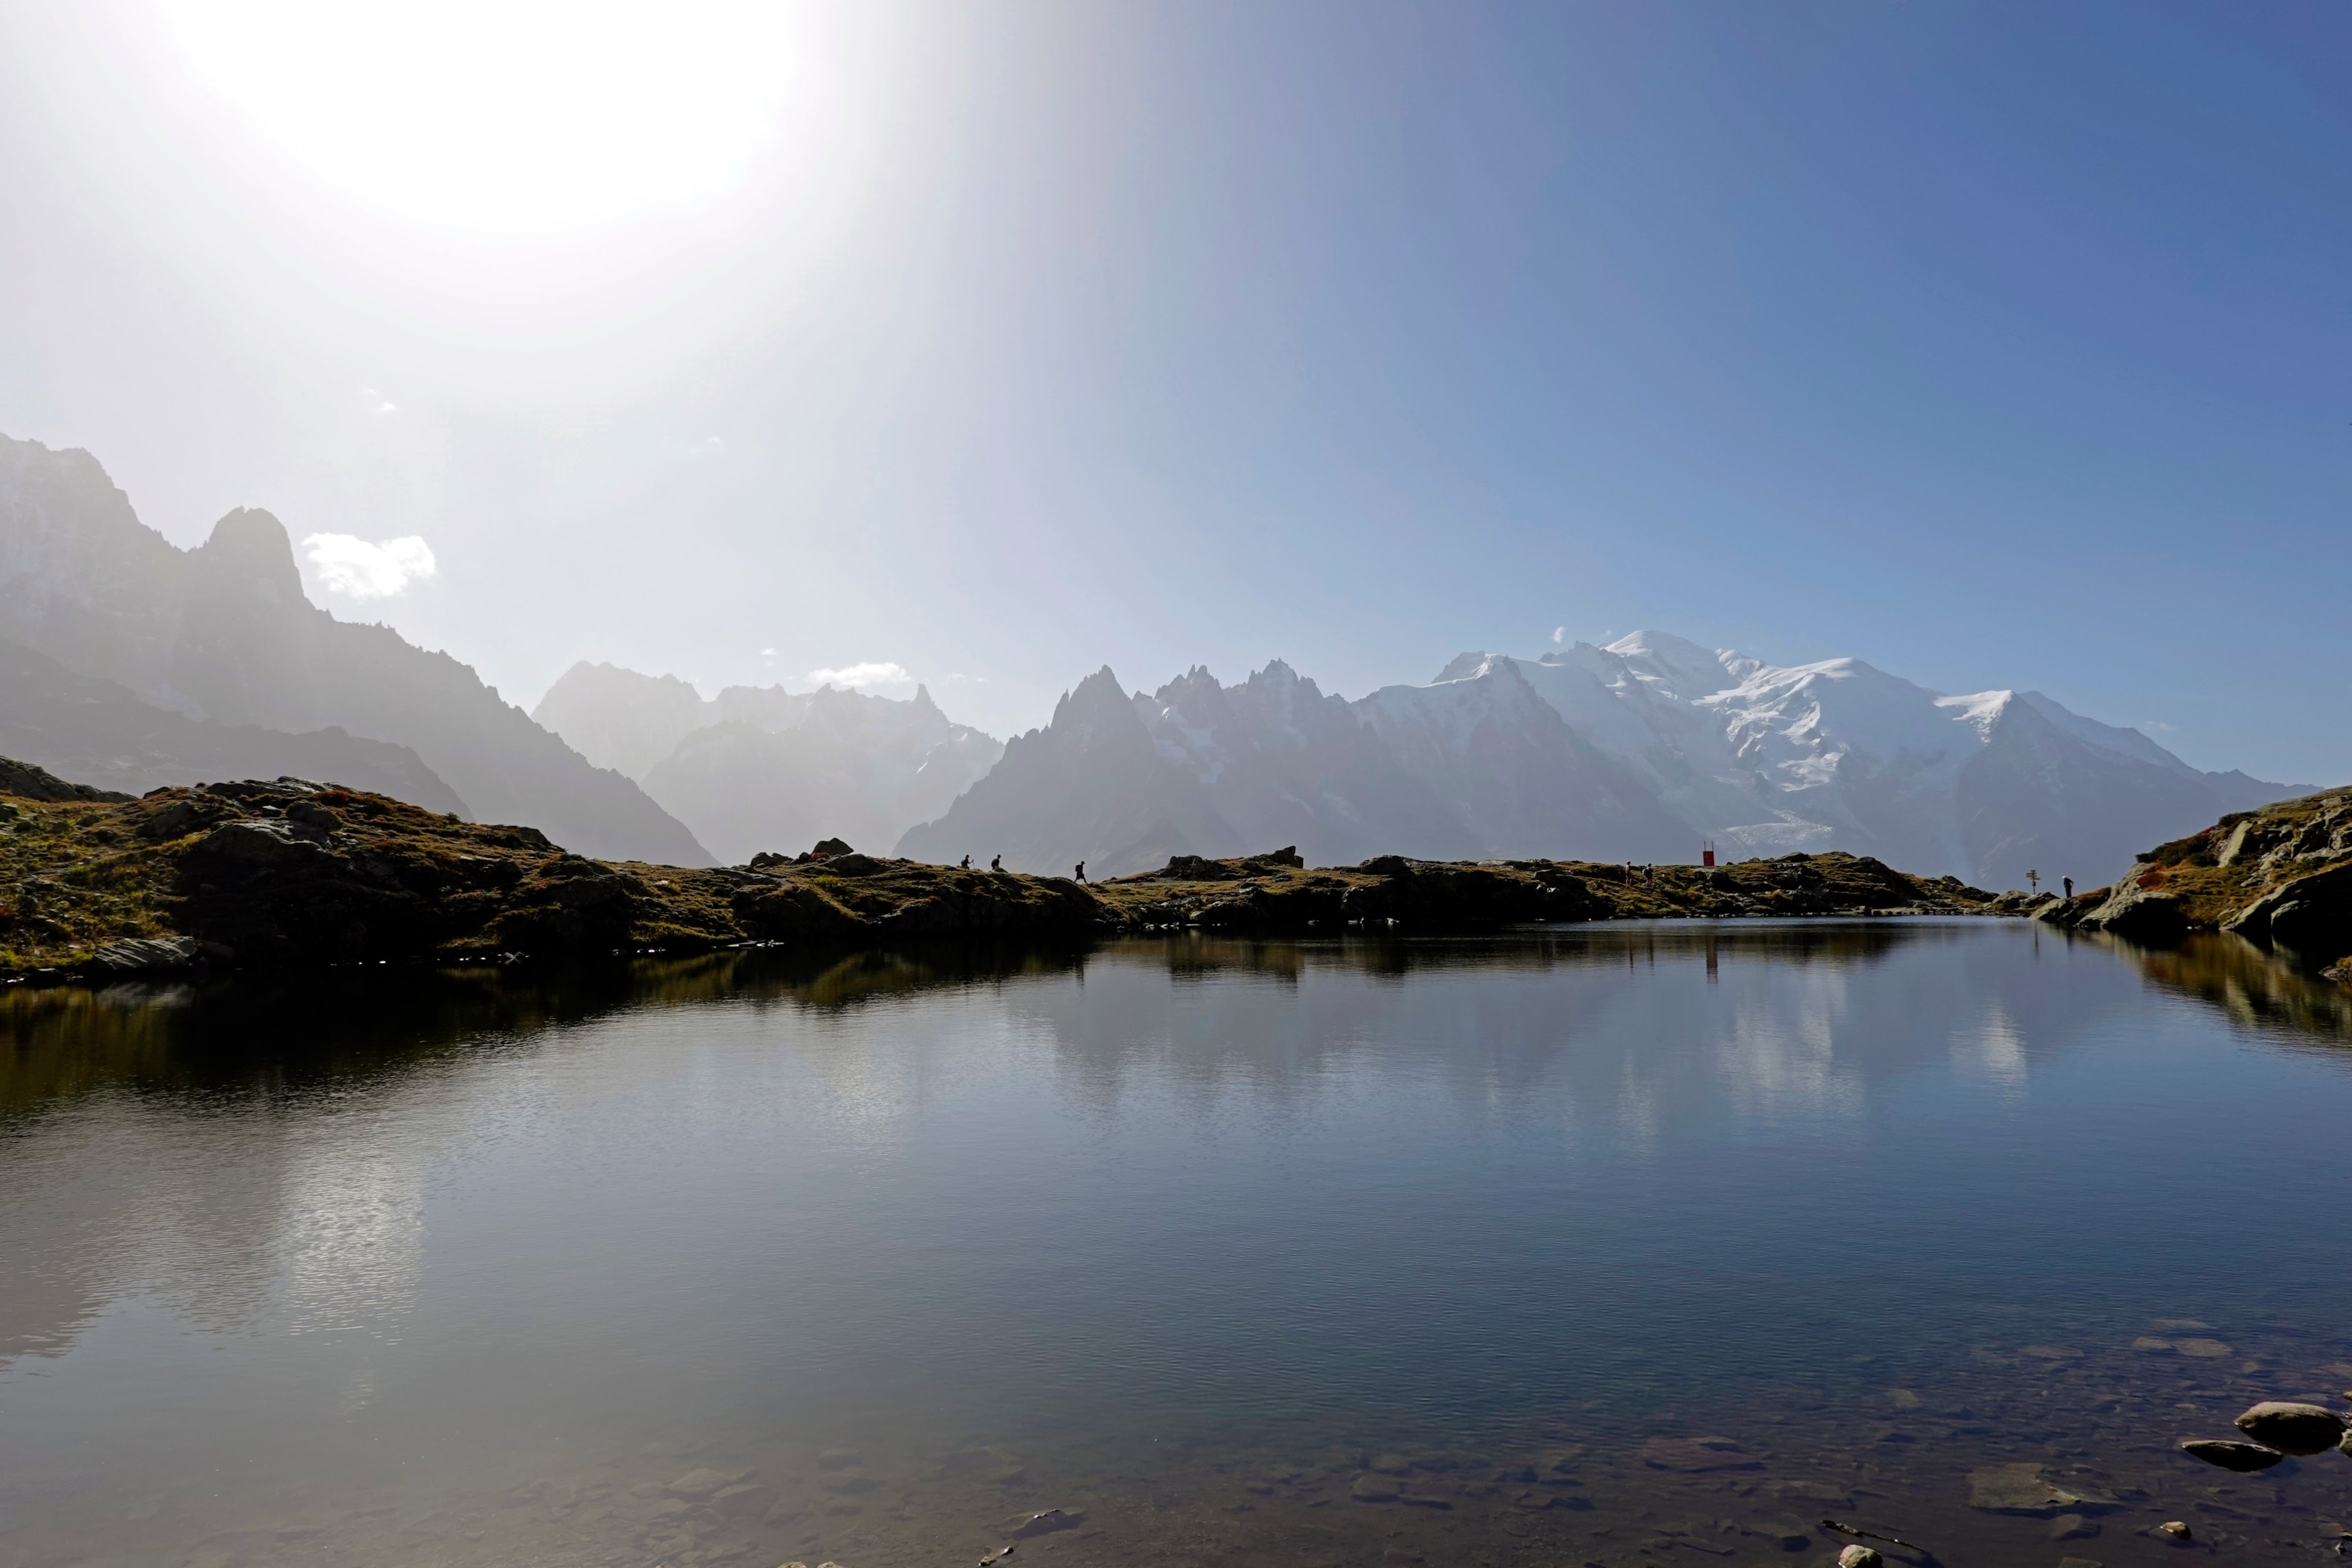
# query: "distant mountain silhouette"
80 727
757 767
224 633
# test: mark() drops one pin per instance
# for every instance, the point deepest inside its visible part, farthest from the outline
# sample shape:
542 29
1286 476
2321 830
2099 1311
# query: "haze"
1997 345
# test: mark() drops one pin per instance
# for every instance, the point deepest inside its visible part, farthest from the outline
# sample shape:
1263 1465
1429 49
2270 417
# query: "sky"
985 344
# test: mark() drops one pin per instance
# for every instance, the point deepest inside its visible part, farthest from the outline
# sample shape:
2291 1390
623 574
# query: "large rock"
2244 1457
2293 1428
2144 914
261 841
2312 915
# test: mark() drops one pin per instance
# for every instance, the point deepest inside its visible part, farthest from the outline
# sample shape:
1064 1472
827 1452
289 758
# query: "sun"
511 116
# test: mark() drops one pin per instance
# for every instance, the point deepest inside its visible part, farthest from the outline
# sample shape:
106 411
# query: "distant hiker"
967 863
1082 871
996 862
2070 885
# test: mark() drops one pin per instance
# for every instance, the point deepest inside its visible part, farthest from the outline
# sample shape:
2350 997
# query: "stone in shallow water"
2071 1527
2173 1530
2017 1489
2203 1350
1375 1489
1052 1519
2051 1352
2242 1458
1390 1464
1860 1556
1903 1399
1697 1455
2293 1428
703 1483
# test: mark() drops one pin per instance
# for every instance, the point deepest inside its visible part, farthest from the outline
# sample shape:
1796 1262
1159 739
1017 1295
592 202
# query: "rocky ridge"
293 871
2280 877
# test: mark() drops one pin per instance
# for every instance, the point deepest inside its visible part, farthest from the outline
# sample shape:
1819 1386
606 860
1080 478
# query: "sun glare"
514 116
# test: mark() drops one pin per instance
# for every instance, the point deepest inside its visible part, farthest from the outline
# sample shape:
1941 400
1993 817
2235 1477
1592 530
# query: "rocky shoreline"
2280 877
290 872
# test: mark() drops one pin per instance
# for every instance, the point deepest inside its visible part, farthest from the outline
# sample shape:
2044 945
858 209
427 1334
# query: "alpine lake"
1617 1244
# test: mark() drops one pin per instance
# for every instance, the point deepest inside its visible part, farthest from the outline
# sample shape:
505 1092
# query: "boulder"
1860 1556
2244 1457
165 955
253 843
2139 914
2294 1428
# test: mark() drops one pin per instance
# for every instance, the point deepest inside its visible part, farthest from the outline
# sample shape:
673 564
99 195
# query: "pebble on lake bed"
2174 1528
2293 1428
1860 1556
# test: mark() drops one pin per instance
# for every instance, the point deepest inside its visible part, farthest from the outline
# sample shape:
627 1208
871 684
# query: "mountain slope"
224 632
761 768
1092 785
1766 759
81 727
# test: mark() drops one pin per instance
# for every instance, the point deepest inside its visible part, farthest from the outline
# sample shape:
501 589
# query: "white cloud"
2157 724
378 400
859 675
1558 635
358 570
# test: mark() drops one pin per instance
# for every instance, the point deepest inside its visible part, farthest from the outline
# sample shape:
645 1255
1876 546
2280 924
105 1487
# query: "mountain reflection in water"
1215 1238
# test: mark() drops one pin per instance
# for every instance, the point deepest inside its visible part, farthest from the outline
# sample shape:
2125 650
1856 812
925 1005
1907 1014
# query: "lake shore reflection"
1631 1242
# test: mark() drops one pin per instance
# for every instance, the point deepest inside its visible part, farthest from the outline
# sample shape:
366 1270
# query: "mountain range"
1643 750
757 767
142 664
128 662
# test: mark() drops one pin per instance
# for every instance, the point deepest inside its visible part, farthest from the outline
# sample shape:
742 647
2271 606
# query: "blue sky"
1996 345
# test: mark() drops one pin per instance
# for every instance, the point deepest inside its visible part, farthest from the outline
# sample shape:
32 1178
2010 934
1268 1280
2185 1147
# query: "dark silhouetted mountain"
1092 785
757 767
81 727
225 633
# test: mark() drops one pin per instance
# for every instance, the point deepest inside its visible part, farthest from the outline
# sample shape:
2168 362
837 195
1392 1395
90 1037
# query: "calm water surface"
1615 1245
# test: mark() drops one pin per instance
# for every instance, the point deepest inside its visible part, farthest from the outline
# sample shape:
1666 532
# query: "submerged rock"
2294 1428
1048 1522
1861 1556
1697 1455
2244 1457
2018 1488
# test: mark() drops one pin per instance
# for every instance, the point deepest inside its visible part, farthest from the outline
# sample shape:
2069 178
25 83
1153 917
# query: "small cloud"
768 653
861 675
1558 635
377 402
2157 724
358 570
959 677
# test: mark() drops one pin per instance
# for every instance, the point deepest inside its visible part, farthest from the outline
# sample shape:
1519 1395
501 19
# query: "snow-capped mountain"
1640 749
757 767
1764 759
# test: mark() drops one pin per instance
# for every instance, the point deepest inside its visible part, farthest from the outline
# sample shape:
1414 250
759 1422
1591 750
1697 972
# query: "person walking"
996 862
2070 885
1082 871
967 863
